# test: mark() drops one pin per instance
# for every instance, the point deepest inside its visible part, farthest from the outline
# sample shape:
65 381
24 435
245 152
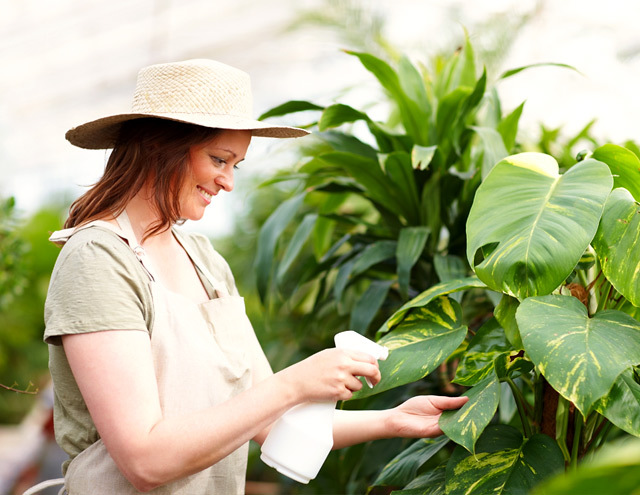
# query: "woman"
159 379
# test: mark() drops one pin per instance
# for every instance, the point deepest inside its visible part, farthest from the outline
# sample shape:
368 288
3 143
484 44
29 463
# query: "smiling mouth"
207 195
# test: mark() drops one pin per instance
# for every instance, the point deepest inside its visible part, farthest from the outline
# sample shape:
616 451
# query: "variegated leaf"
425 338
580 357
489 350
529 225
617 244
484 348
429 295
513 470
621 406
465 425
505 313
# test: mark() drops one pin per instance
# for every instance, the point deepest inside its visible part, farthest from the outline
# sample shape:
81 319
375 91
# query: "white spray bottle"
300 441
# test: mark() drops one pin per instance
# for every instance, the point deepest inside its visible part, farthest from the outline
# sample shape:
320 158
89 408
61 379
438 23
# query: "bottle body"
300 441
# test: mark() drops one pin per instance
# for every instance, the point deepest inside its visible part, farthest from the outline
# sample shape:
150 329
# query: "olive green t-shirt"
98 284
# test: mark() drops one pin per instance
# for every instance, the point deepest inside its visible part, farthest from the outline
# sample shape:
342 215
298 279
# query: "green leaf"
513 72
465 425
494 149
531 224
421 156
292 106
398 168
268 237
368 175
424 339
430 483
371 255
428 296
403 467
411 242
338 114
298 240
450 267
513 470
411 114
478 361
580 357
369 304
508 127
615 470
505 313
624 165
617 244
347 144
623 398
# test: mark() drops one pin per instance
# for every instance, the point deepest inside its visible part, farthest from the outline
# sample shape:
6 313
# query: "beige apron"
202 355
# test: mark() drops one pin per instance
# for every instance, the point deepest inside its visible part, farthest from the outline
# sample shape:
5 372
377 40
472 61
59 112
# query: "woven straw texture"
201 92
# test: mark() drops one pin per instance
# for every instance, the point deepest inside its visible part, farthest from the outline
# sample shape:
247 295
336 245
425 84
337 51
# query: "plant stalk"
522 410
575 448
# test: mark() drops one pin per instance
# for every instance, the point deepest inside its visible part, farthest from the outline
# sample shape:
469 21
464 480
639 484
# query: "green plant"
466 261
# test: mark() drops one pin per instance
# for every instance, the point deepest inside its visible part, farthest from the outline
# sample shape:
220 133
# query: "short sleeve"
97 284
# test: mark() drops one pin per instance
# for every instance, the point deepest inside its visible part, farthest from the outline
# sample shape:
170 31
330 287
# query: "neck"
142 216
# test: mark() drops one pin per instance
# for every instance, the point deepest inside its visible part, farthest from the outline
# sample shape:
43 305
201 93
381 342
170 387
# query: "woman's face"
211 166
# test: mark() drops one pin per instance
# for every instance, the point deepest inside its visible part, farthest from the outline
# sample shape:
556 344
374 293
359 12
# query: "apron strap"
125 232
219 287
46 484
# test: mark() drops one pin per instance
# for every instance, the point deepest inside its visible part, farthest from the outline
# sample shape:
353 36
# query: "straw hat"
202 92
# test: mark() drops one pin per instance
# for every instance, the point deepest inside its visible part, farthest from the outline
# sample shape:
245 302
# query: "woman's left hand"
418 417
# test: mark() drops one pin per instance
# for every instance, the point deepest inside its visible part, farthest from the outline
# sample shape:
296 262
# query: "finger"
368 371
446 403
360 356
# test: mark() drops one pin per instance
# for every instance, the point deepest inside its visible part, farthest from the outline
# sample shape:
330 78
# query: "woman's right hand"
330 375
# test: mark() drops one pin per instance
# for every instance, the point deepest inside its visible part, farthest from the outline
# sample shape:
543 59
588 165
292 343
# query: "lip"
202 190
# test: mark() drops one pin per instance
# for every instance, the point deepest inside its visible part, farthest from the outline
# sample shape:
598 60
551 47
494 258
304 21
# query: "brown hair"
146 149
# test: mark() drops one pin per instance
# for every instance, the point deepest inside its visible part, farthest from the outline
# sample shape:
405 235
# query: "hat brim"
102 133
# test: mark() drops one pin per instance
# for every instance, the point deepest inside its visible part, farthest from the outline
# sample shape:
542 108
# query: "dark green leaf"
411 243
368 305
338 114
292 106
268 237
403 467
298 240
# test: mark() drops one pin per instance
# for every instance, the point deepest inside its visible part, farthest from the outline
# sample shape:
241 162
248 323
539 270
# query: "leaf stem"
577 434
522 410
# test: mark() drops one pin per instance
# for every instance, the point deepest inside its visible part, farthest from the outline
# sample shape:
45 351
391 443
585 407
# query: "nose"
225 179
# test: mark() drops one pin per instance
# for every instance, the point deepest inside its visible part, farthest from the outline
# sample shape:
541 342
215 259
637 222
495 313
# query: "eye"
218 160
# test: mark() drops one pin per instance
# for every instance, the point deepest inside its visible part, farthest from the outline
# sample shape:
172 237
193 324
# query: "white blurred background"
65 62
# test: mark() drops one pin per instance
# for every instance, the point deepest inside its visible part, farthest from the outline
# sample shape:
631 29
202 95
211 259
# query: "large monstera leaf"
580 357
424 339
617 244
530 225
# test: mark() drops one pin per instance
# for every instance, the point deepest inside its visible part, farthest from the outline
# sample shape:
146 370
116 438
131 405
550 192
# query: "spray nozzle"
356 342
